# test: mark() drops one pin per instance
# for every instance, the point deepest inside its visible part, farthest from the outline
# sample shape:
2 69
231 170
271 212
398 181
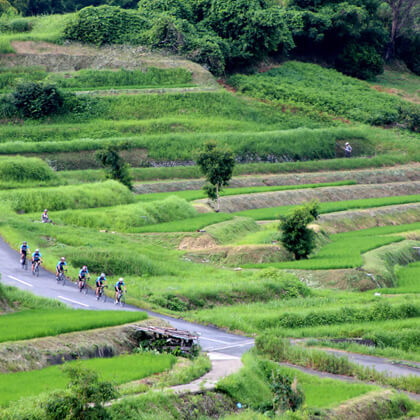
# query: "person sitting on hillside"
83 273
118 288
36 258
347 150
60 267
24 249
44 217
100 283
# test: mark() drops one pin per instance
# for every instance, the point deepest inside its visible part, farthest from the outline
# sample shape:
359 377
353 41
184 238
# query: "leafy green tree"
83 399
297 238
217 165
114 165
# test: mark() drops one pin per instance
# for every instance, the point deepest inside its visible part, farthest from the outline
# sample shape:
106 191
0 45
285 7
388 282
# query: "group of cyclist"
83 273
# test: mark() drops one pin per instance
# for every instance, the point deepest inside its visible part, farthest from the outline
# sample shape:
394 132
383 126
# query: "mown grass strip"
191 195
118 370
43 323
273 213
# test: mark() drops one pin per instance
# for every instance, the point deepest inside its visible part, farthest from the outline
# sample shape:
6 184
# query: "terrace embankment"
41 352
236 203
345 221
368 176
75 56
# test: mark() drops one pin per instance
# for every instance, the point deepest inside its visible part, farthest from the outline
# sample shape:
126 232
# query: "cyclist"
36 258
100 283
83 273
44 217
60 267
24 249
118 288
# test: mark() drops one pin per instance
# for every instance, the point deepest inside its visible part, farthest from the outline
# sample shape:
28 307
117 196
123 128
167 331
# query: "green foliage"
212 33
287 394
84 397
24 169
45 322
228 231
217 166
360 61
297 238
115 166
326 90
71 197
36 100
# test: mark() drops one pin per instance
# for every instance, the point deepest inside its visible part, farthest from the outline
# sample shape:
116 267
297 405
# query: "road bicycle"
121 298
61 278
83 287
35 271
101 294
24 262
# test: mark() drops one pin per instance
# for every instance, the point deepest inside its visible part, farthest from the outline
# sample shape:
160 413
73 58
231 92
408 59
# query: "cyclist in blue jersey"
100 282
118 288
60 266
36 258
24 249
83 273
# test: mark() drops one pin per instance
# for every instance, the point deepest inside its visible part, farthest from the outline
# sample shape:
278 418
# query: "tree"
217 165
114 164
404 14
297 238
83 398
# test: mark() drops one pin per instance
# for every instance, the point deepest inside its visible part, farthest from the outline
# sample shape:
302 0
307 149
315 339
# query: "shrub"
361 61
36 100
24 169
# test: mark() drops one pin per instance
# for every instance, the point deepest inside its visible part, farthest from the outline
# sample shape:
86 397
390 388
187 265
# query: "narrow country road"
211 339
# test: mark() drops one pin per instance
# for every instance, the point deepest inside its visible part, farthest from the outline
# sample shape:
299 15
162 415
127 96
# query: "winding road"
211 339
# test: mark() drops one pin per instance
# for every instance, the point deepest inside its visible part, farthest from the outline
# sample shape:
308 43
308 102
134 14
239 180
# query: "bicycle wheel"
122 300
37 270
63 278
85 288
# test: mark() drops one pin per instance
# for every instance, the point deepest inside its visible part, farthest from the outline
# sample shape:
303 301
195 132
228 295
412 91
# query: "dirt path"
116 92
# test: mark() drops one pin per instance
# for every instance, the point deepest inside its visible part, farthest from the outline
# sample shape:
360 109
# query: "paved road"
211 339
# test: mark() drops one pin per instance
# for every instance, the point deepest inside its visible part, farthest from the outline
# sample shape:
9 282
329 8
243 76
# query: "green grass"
403 84
99 79
69 197
345 249
43 323
273 213
191 195
118 370
322 89
129 217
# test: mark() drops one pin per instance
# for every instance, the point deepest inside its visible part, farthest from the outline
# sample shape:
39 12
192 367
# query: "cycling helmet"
37 250
24 242
45 210
102 274
120 280
84 268
63 259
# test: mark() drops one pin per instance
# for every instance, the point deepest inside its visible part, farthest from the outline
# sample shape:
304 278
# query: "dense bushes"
24 169
212 33
327 90
107 193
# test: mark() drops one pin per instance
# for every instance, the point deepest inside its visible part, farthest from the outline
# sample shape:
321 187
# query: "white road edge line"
73 301
231 347
212 339
21 281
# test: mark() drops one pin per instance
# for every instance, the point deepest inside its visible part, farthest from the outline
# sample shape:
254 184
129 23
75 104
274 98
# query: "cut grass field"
118 370
50 322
